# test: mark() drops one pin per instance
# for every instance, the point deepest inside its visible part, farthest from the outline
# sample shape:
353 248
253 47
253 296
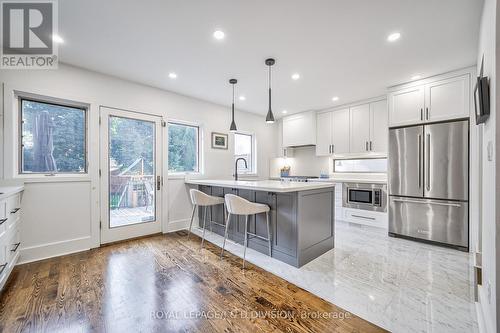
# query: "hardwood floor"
162 283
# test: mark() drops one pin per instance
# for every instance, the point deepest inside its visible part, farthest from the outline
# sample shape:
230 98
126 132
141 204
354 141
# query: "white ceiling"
339 47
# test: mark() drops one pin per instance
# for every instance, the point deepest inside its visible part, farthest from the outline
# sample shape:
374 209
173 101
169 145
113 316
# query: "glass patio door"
131 174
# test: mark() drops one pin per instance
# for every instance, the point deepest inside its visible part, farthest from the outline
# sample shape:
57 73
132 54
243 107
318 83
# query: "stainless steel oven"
365 196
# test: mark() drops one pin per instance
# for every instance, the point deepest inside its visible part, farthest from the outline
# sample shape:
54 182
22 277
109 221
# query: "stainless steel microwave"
365 196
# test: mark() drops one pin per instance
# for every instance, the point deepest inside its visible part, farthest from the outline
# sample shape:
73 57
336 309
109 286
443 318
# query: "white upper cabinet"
406 106
442 99
324 133
379 133
447 99
360 128
299 129
340 134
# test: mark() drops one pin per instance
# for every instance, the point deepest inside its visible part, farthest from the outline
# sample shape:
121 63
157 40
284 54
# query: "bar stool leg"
225 234
210 220
269 239
246 240
204 223
191 223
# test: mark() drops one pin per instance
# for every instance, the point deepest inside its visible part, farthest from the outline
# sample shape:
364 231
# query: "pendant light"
270 116
232 128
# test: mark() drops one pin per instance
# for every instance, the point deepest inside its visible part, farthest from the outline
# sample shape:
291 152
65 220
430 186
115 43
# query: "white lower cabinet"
366 217
10 235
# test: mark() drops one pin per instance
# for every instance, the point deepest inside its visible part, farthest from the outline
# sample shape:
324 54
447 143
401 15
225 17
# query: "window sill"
58 178
183 175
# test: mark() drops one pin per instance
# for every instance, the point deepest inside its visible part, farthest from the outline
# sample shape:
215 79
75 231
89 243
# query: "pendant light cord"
269 87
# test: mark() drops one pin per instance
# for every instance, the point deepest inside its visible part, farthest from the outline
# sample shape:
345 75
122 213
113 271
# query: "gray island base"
302 217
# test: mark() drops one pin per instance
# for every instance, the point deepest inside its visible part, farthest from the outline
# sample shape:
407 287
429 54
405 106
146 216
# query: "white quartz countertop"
6 191
350 180
262 185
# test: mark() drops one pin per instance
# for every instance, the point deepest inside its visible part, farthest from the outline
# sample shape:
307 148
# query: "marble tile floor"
400 285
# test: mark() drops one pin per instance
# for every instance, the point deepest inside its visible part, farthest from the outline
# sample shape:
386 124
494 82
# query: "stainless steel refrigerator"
429 183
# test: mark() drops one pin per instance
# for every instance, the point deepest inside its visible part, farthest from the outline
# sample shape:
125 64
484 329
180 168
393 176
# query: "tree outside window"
183 148
244 148
53 138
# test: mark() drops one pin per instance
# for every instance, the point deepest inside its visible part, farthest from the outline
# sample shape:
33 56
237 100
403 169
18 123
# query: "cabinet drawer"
376 219
3 218
13 246
3 259
13 209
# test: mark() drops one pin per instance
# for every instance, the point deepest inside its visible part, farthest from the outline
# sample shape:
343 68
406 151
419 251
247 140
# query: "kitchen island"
302 216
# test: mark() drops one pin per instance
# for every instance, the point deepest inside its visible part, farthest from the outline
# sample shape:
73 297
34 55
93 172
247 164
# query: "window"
53 138
244 148
183 148
376 165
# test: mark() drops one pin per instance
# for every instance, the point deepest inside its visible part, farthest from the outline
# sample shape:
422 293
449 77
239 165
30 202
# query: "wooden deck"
163 283
126 216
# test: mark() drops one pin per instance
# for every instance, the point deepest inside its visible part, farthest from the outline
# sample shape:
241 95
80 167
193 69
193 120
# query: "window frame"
199 150
253 154
20 121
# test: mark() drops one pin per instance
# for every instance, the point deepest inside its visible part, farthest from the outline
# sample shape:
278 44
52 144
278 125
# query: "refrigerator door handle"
419 162
428 161
430 203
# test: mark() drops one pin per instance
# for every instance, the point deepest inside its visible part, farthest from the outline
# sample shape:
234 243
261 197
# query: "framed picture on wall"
219 140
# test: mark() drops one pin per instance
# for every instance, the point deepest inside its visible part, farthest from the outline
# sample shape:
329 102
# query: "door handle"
428 162
429 203
158 183
419 162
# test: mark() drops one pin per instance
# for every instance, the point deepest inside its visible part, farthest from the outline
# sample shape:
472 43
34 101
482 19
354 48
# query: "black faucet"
236 166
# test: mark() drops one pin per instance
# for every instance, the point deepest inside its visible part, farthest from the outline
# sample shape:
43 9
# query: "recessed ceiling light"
393 37
415 77
172 75
335 98
218 34
295 76
284 111
57 39
242 98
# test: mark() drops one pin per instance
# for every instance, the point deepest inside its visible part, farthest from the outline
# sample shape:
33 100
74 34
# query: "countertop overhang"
262 185
6 191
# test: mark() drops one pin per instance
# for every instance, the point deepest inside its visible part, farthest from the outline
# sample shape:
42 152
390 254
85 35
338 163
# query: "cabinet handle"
15 210
329 149
366 144
2 268
333 149
15 247
363 217
2 221
421 114
427 113
371 146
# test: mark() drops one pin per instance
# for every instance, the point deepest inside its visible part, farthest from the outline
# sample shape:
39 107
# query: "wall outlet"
488 289
489 149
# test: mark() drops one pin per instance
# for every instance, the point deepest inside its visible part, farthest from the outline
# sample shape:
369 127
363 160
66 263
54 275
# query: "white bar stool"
238 206
200 199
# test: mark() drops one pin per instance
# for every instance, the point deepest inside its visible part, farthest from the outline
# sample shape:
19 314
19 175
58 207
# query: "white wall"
63 216
490 206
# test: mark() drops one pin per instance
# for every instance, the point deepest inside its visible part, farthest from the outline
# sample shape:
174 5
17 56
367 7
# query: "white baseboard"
54 249
177 225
